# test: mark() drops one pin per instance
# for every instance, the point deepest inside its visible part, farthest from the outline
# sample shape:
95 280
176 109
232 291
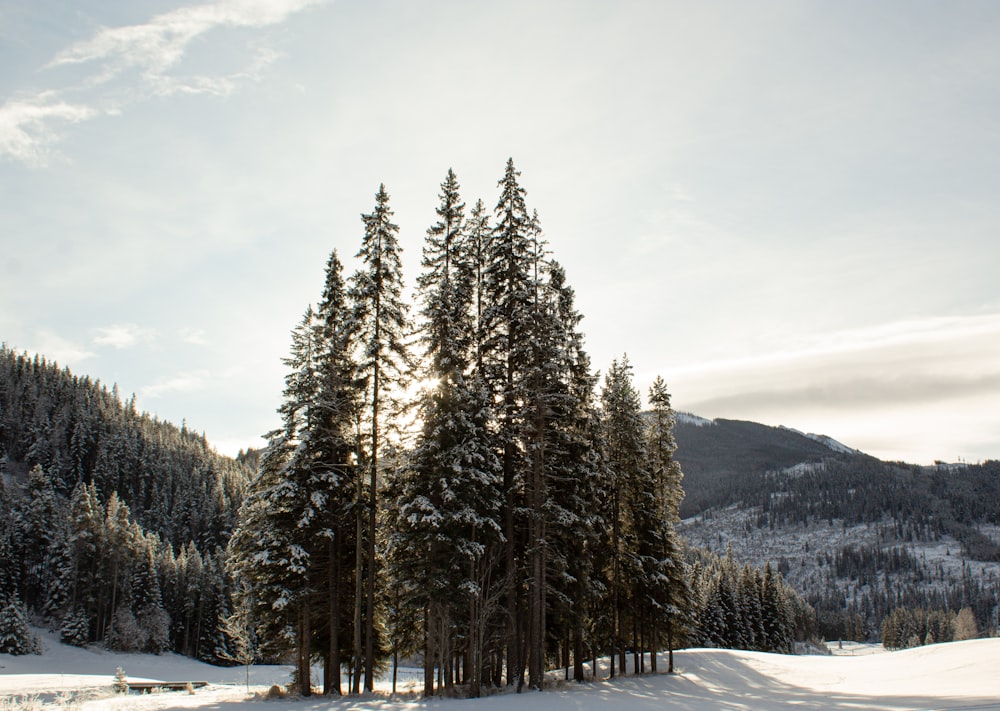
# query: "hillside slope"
856 536
720 458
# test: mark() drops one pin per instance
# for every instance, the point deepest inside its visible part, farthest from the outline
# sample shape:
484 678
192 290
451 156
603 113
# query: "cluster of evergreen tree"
113 525
907 627
524 521
858 613
739 607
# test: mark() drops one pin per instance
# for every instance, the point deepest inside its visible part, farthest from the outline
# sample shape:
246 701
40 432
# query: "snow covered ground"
960 675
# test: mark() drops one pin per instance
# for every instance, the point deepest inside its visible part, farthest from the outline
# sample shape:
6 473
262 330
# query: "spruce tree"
508 311
447 516
574 475
15 635
332 446
624 438
670 594
271 548
380 317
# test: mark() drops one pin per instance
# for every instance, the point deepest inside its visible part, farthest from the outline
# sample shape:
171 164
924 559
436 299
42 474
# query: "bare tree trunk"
358 587
428 655
370 598
331 674
655 644
637 656
305 642
670 646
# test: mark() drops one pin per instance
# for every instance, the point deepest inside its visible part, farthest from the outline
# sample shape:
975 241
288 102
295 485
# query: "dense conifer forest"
113 525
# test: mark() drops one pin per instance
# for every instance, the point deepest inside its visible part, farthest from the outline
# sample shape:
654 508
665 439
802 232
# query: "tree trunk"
370 597
358 588
637 658
428 656
654 638
331 680
577 655
670 646
305 642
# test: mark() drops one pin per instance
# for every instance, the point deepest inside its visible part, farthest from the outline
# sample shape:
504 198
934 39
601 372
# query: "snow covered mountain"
856 536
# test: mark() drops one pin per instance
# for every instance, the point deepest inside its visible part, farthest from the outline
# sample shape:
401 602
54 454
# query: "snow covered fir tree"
451 483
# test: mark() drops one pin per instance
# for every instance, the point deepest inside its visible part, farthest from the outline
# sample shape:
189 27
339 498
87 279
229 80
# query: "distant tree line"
906 627
739 607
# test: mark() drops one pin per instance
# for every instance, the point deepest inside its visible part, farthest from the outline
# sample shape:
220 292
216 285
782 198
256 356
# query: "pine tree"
271 547
381 320
75 629
447 517
624 436
670 594
331 449
574 477
507 296
124 633
15 635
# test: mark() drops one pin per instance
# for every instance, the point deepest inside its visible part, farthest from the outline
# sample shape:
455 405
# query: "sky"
787 209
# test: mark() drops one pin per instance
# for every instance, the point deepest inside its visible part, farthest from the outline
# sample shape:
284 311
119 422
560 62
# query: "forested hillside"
857 537
113 524
725 461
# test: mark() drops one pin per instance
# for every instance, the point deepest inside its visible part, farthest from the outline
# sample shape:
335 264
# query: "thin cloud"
854 383
194 336
122 336
58 349
183 382
28 126
948 332
31 125
847 392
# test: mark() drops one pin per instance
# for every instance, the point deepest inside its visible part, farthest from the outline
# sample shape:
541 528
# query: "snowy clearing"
959 675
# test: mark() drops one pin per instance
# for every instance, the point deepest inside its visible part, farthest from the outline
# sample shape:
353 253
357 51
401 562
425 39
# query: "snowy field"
960 675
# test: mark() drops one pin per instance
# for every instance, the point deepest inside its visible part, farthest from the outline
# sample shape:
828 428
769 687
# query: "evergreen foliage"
16 636
738 607
103 508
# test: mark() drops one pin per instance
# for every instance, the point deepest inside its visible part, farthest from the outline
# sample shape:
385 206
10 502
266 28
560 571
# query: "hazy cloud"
29 126
194 336
182 382
58 349
850 392
122 335
857 382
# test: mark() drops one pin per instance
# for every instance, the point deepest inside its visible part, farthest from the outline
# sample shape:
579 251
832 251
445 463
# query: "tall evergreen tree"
624 437
447 514
669 594
333 453
507 296
271 548
381 320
